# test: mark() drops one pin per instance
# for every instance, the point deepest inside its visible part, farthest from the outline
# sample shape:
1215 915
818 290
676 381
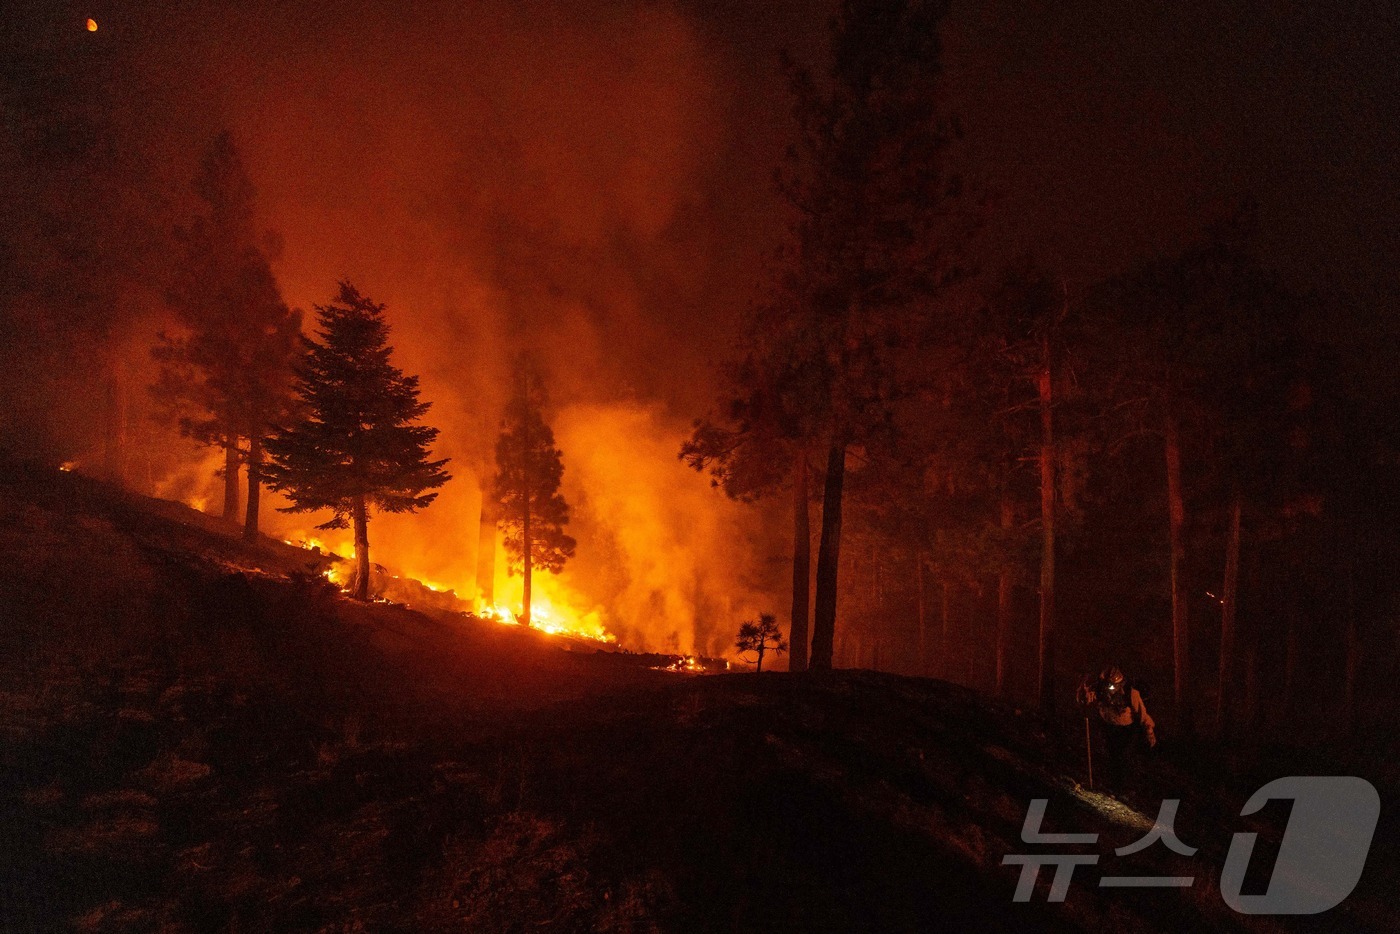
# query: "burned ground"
200 734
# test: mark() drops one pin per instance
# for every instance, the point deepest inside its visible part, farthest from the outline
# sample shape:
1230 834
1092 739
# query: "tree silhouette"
761 636
1206 352
356 445
229 376
758 439
528 472
880 220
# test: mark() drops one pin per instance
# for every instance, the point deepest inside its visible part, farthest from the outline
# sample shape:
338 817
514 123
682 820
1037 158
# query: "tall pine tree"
528 471
228 377
875 249
881 223
759 438
356 445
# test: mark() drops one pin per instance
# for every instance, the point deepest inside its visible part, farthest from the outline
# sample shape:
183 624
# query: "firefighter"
1123 718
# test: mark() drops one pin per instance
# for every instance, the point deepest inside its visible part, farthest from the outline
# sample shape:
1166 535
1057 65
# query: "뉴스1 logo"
1320 858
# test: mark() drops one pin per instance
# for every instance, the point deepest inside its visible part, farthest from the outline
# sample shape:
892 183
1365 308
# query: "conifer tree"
228 376
533 514
759 438
874 254
357 445
761 636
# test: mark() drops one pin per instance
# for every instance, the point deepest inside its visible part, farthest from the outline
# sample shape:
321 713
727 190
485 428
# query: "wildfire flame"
552 609
336 575
547 620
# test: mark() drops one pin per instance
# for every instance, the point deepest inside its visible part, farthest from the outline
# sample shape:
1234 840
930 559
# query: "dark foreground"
198 735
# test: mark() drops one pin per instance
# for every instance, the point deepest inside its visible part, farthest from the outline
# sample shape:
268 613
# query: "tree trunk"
828 559
970 634
801 566
760 659
1046 673
361 517
230 479
945 662
486 552
527 549
1229 609
1181 637
923 616
250 515
1003 634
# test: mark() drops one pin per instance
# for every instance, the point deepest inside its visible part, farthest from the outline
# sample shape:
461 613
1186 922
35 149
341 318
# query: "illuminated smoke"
511 178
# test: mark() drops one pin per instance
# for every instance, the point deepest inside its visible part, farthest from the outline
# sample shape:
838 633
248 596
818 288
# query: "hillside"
203 735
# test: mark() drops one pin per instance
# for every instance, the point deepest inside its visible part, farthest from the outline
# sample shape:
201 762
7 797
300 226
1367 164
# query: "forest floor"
199 734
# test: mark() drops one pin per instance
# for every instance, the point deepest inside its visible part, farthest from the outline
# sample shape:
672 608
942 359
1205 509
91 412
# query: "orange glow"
92 25
660 555
555 608
193 482
665 563
338 574
547 620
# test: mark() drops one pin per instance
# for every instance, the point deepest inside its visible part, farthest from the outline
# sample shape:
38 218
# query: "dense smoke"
504 178
533 182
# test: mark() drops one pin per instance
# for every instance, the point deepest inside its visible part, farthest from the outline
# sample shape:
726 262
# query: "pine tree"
1206 354
229 376
356 445
758 440
528 472
761 636
881 221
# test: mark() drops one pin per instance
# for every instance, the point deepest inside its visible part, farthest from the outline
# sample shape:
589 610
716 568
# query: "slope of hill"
203 735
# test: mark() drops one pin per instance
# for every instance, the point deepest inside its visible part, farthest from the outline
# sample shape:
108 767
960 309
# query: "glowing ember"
498 614
91 25
67 466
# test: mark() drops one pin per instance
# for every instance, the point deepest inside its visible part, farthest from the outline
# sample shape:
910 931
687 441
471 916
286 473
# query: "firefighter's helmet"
1113 687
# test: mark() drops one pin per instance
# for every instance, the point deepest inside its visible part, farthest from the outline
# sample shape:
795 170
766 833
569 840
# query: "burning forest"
688 465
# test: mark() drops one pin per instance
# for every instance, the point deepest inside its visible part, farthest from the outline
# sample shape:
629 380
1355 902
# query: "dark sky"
1117 128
